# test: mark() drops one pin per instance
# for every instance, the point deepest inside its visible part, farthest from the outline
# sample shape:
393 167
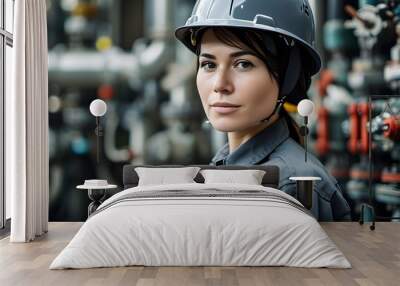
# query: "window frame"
6 39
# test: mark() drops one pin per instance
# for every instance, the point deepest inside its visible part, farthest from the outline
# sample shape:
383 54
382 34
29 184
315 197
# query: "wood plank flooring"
374 255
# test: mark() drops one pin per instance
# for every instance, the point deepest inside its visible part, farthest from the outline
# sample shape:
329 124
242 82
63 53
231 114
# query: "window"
6 44
9 15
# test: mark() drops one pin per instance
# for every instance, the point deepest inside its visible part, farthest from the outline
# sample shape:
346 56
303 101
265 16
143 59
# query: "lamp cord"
97 139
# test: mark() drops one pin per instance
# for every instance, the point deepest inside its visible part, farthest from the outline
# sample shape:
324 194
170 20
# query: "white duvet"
218 231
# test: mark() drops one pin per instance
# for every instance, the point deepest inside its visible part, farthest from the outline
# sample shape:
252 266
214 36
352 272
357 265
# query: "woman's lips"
224 109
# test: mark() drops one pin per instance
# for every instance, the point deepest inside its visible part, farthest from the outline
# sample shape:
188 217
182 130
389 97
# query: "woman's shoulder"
293 155
290 158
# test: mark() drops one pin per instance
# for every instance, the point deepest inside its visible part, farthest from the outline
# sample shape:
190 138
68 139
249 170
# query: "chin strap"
277 108
291 77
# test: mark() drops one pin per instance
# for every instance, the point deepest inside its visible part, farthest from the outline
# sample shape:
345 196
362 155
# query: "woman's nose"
223 83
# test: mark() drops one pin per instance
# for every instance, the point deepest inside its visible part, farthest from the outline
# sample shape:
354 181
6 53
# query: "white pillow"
162 176
249 177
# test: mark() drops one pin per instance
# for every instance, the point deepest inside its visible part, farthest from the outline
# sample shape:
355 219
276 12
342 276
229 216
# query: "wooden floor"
374 255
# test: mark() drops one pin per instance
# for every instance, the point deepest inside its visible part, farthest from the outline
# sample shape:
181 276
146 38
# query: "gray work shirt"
274 146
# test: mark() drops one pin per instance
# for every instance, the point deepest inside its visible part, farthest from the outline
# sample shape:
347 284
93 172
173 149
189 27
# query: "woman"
248 67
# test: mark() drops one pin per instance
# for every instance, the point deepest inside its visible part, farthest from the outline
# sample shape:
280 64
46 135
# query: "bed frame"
270 179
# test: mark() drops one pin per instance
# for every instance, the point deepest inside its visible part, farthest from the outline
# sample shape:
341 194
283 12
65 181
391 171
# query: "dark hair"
275 59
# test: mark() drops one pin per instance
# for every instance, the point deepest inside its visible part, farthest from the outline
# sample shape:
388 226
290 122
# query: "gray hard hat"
292 19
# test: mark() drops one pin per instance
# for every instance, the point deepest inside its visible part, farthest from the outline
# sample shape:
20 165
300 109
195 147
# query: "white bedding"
188 230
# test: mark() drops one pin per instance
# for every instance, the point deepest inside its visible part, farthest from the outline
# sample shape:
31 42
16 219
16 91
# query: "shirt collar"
256 148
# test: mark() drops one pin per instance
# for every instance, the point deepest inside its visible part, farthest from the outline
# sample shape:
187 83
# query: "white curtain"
27 124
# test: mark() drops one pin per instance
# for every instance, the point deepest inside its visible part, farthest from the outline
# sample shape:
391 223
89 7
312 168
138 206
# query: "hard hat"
292 19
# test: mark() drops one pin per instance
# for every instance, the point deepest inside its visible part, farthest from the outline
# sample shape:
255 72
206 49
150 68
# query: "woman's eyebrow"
207 56
242 53
233 55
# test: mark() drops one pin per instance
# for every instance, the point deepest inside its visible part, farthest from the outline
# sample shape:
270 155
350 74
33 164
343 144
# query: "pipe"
111 151
82 68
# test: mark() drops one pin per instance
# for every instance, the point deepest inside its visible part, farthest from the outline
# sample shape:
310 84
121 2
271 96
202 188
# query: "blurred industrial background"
124 52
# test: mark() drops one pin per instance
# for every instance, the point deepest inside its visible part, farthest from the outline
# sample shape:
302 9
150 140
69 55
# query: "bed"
201 223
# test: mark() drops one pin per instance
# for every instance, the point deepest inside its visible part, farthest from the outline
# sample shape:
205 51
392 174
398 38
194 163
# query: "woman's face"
235 76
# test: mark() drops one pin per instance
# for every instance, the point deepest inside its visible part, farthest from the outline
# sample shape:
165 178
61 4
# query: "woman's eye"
207 65
244 65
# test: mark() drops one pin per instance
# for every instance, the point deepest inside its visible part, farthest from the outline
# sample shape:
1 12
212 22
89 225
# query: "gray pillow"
162 176
248 177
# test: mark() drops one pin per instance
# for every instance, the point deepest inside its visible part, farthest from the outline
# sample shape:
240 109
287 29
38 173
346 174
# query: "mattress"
201 225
